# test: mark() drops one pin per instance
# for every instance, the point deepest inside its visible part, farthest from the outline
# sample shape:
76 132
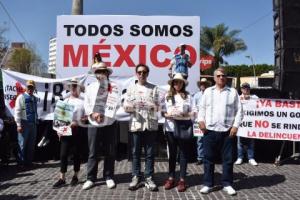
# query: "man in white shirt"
101 128
26 118
220 115
246 143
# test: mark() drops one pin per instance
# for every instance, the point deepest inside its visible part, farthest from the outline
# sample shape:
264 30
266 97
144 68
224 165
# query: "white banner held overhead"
271 119
124 42
48 91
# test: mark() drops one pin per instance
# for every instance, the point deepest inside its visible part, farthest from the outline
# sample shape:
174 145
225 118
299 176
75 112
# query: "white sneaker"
87 185
40 144
253 162
229 190
238 161
110 183
205 190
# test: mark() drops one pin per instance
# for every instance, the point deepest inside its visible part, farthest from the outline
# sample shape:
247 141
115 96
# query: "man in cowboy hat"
181 61
202 85
102 128
26 118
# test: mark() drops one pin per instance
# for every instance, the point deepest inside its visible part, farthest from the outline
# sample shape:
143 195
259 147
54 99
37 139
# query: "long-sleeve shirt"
220 109
183 106
90 101
143 98
195 104
26 108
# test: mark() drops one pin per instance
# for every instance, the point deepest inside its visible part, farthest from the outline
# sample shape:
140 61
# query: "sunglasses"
141 72
101 72
221 75
177 82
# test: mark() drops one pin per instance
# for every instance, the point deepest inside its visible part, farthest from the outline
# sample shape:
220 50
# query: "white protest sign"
124 42
272 119
196 130
63 116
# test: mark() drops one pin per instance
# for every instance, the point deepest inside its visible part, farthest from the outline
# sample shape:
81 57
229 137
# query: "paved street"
263 182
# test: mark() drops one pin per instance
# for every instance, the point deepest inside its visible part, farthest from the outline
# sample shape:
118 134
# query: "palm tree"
220 42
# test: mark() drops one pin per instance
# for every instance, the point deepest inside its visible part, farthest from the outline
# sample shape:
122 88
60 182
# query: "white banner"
271 119
48 91
124 42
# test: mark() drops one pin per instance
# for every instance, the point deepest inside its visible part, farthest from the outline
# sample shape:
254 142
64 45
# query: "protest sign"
271 119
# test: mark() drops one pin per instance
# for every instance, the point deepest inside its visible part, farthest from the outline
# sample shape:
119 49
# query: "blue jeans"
146 139
200 148
26 141
213 143
183 145
248 143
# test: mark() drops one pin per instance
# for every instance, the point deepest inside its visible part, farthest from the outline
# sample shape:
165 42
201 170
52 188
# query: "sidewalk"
262 182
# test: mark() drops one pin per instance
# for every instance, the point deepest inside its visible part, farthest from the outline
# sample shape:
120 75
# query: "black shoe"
199 162
59 183
74 181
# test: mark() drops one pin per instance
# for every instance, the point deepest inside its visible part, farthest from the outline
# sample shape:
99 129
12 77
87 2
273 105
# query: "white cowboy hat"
74 81
178 76
101 66
203 81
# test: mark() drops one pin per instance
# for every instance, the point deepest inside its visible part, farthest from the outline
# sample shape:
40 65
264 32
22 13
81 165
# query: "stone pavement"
262 182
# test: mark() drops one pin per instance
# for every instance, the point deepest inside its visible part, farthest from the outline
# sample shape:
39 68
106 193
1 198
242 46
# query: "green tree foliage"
220 42
25 60
246 70
3 43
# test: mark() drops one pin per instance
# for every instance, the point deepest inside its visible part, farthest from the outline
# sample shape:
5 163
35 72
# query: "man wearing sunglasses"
101 128
220 114
26 118
142 103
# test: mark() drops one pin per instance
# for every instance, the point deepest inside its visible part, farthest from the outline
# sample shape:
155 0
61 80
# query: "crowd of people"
216 108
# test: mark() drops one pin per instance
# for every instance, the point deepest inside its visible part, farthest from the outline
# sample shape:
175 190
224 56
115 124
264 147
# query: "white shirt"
243 100
220 109
195 103
181 105
90 100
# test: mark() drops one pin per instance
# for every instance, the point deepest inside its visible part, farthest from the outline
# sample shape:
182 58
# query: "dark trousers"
183 145
66 144
105 137
213 143
146 139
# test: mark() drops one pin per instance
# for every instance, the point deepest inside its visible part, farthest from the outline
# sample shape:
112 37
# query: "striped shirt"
220 109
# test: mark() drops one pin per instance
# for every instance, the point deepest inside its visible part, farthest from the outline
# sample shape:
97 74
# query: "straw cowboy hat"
101 66
178 76
74 81
203 81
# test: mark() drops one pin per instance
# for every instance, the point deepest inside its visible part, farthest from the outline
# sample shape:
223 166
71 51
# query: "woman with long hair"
177 106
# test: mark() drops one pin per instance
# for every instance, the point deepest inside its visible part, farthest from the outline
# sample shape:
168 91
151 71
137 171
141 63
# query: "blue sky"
37 20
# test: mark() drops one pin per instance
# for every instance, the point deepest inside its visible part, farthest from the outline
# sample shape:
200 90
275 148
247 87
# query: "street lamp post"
253 66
